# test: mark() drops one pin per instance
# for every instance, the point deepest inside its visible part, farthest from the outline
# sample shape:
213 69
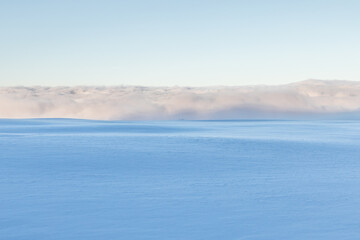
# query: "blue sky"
186 43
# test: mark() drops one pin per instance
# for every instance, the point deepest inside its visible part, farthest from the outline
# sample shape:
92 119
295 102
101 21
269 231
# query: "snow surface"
307 99
80 179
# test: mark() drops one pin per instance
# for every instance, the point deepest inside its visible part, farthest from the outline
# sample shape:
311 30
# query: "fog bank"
307 99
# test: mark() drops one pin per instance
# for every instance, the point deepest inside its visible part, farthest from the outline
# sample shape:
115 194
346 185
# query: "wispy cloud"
305 99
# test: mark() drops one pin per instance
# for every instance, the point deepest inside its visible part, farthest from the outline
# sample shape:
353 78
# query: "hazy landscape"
179 120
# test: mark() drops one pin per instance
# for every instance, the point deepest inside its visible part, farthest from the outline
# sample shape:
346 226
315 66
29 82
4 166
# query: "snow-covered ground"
81 179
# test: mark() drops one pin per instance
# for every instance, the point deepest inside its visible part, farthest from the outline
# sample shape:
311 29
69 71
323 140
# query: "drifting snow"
312 98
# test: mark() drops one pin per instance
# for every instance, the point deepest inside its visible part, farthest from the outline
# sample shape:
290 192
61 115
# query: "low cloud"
307 99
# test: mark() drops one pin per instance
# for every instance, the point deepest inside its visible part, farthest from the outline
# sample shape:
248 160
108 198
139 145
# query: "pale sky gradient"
184 42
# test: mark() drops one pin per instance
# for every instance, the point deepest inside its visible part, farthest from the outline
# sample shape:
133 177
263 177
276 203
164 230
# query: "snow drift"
307 99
